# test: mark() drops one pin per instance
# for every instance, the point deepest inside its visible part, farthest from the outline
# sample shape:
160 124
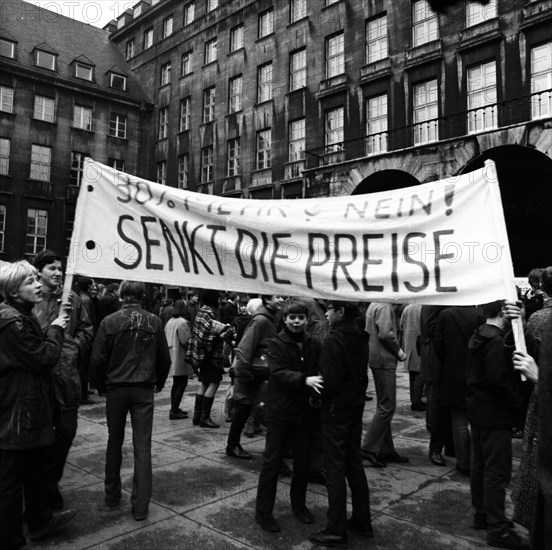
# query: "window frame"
425 126
80 119
186 63
183 171
266 23
335 61
425 28
7 94
189 14
210 53
483 92
297 10
265 90
130 48
540 76
41 163
168 26
331 144
8 44
212 5
207 164
148 38
79 65
297 145
477 13
235 99
163 123
184 114
236 38
113 78
44 108
3 216
209 99
39 235
165 74
377 47
5 151
47 56
263 149
77 172
118 123
161 172
298 73
377 127
233 157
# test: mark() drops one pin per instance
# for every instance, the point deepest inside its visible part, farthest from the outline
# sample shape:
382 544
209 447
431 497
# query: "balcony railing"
541 104
39 188
206 188
331 83
261 177
293 170
231 183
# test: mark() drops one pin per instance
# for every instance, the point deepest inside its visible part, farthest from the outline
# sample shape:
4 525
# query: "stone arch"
525 179
385 180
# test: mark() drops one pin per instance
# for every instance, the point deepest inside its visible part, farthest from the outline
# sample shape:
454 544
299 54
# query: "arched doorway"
386 180
525 178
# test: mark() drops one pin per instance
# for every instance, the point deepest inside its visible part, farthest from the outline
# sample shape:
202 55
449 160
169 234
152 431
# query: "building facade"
66 93
291 99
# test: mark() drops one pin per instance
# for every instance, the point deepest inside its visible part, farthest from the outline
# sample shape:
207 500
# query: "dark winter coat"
130 350
455 326
290 363
107 304
27 356
343 365
493 398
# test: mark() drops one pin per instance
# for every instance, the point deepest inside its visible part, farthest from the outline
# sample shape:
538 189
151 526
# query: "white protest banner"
442 242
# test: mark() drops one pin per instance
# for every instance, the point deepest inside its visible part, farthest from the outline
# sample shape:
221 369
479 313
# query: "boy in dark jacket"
494 407
27 356
343 368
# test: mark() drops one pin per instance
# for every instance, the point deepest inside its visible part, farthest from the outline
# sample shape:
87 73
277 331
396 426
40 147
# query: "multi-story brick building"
299 98
66 92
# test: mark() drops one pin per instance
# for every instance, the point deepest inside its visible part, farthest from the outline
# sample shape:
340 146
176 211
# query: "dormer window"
137 11
7 48
117 81
46 60
83 71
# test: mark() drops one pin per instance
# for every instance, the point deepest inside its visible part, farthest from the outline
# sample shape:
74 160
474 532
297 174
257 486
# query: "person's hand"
402 356
512 310
526 365
62 321
315 382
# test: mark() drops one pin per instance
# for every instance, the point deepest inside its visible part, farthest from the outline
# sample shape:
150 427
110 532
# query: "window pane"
426 112
482 110
6 99
376 125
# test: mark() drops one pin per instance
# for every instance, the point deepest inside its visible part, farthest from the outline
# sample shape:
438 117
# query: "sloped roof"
34 27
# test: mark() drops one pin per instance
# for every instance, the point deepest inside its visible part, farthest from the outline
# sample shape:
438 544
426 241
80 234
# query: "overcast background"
93 12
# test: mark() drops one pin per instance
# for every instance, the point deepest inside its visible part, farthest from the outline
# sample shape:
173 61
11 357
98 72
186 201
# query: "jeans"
139 401
378 435
461 437
278 435
341 440
22 478
491 469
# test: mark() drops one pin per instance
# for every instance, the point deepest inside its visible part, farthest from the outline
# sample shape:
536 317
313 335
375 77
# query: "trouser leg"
117 407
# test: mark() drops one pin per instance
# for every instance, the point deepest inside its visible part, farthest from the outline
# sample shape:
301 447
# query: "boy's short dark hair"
85 283
350 308
210 298
295 307
492 309
132 291
546 280
45 257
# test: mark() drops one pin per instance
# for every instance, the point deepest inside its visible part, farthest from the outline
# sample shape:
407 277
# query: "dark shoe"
510 539
318 479
303 514
112 501
57 522
178 415
437 458
324 538
360 529
394 457
267 522
207 423
419 407
140 517
197 409
480 522
237 452
373 458
55 498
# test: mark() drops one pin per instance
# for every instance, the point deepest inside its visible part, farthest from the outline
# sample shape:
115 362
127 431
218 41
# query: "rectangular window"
425 26
7 48
296 140
189 13
376 39
212 5
130 47
117 125
36 230
266 23
6 99
166 74
4 156
236 38
334 132
476 12
137 11
45 60
2 226
117 164
167 26
183 171
264 149
77 168
45 108
233 154
117 81
162 172
148 38
185 110
376 125
207 164
426 112
482 109
82 118
41 160
209 104
163 123
186 63
298 10
235 87
541 81
298 69
264 83
83 71
335 55
211 50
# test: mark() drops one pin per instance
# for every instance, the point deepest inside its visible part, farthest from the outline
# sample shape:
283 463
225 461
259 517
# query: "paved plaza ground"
203 500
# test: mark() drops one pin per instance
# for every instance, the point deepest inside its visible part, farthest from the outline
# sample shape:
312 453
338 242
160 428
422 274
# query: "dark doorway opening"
386 180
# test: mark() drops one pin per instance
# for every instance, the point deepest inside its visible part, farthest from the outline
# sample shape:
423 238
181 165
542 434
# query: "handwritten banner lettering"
442 242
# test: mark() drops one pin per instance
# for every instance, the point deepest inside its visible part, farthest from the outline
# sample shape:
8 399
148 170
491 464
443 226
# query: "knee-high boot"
205 420
197 409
